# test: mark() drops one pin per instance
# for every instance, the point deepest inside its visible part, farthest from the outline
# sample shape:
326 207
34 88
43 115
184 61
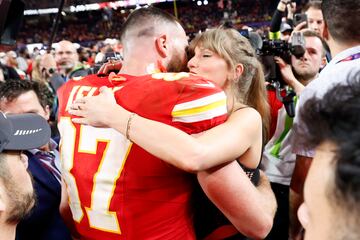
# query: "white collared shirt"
334 73
53 149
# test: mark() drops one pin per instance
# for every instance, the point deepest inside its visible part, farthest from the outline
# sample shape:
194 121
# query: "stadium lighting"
93 6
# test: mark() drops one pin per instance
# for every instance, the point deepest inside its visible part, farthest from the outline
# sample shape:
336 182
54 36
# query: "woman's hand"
97 110
110 66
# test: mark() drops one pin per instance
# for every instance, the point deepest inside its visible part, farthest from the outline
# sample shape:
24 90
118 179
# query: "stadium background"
80 24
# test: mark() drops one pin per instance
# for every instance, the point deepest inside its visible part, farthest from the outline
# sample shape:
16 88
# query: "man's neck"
139 59
137 68
336 47
305 82
7 231
133 69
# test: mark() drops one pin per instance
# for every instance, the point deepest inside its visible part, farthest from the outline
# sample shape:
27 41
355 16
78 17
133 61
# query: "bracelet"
128 125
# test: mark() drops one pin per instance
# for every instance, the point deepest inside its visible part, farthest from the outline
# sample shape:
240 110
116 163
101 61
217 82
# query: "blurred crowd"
91 29
85 27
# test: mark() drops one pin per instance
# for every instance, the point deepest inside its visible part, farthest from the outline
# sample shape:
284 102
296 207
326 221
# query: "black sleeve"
276 21
56 81
9 73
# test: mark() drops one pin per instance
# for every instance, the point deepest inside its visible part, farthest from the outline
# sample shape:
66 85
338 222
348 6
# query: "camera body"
279 48
299 18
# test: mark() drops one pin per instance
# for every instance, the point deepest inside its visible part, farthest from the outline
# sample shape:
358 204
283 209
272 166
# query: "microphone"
255 40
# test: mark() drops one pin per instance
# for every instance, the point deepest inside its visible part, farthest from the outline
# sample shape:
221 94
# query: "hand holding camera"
300 21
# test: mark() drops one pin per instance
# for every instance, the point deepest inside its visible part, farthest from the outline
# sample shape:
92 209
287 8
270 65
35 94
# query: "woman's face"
208 64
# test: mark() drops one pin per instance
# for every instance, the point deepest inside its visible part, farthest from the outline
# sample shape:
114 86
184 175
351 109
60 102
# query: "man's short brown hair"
144 21
342 18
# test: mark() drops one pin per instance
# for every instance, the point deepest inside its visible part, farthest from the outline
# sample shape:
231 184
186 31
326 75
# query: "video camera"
270 49
283 49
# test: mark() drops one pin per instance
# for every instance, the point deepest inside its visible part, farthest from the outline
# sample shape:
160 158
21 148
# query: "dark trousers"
280 230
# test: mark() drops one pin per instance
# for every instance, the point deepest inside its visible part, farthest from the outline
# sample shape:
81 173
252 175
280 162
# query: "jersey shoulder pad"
77 78
185 79
170 76
199 82
84 78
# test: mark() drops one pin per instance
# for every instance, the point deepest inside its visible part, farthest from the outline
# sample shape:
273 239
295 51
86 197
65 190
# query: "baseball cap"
23 131
285 27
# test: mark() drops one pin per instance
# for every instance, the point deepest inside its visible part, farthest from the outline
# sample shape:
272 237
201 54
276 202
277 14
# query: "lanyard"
350 58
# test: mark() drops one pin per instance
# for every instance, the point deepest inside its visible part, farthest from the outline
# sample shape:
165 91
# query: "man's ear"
47 112
323 62
326 32
2 200
161 44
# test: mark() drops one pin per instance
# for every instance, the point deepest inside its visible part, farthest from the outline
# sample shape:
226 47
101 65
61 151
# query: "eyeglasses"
64 52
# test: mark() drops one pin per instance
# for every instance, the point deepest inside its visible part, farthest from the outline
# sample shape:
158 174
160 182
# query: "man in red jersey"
116 189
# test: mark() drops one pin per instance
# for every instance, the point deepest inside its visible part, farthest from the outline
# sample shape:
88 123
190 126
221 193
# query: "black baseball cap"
23 131
285 27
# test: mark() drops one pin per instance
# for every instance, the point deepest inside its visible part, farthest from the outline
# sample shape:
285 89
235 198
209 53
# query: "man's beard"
66 66
304 75
177 63
21 203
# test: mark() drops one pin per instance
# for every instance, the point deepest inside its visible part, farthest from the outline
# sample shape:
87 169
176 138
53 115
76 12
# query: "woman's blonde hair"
36 71
235 49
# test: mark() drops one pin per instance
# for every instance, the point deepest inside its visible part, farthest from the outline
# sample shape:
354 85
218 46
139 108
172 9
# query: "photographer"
277 24
278 161
315 19
306 68
7 73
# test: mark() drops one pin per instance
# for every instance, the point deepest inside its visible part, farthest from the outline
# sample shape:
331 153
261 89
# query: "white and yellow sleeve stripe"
200 109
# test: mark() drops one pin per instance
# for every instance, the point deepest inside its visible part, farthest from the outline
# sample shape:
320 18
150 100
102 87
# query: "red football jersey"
117 190
275 106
